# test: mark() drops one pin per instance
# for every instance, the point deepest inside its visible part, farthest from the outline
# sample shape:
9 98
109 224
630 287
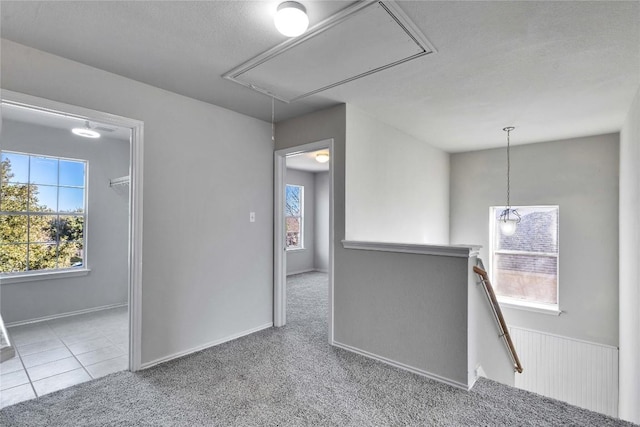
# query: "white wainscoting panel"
578 372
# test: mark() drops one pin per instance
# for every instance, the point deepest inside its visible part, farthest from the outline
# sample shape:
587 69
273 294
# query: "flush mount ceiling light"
291 19
86 131
509 218
322 157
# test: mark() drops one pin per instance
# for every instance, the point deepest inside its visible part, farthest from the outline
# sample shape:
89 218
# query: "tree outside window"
294 216
42 213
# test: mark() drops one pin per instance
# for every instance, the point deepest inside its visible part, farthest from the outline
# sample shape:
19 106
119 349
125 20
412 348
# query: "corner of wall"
629 249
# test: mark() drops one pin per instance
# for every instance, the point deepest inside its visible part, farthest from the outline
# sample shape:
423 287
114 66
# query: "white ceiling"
307 162
553 69
57 121
360 40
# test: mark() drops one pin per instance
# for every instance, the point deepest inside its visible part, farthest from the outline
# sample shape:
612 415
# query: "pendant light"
509 218
291 19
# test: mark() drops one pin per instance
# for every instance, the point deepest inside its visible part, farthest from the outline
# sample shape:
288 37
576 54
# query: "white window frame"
554 309
301 245
53 273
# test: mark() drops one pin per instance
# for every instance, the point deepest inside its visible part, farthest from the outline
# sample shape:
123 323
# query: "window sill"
49 275
549 309
295 249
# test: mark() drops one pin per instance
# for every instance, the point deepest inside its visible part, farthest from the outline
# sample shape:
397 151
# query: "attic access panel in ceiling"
362 39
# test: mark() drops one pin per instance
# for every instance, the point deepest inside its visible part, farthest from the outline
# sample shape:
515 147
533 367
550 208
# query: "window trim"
19 277
302 239
53 273
551 309
515 303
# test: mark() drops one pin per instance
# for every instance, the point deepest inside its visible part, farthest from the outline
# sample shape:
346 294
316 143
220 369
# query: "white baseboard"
477 373
309 270
179 354
402 366
68 314
312 270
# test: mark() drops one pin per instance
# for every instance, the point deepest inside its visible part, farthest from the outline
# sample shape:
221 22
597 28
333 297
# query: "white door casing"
279 248
135 199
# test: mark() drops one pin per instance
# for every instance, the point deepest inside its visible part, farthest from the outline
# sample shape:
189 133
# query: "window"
42 213
293 215
525 265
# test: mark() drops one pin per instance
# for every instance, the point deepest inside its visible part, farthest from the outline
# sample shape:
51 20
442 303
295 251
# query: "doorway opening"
72 204
303 215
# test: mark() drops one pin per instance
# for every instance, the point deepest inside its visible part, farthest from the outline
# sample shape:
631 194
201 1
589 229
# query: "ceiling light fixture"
322 157
291 18
509 218
86 131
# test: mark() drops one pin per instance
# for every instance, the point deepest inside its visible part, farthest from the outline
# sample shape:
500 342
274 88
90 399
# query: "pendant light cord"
508 170
508 130
273 126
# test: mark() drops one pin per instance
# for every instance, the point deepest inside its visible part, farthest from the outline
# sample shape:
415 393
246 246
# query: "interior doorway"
83 214
303 217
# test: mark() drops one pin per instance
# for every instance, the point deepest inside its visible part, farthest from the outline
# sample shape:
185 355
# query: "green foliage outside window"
34 236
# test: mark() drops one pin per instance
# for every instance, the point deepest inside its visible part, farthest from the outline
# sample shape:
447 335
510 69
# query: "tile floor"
59 353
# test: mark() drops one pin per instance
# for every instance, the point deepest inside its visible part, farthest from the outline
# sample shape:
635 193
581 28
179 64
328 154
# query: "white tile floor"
60 353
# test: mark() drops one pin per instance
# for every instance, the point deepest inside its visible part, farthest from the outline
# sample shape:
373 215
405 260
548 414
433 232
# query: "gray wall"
581 176
630 265
361 277
408 308
397 187
197 287
302 260
107 227
321 260
319 126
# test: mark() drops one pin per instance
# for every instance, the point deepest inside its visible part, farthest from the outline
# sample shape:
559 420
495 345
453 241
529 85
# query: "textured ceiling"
360 40
552 69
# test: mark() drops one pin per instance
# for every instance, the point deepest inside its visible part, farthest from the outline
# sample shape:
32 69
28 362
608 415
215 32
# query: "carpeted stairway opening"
290 376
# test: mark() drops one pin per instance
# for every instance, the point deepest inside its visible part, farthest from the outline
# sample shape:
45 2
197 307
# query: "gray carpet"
289 377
